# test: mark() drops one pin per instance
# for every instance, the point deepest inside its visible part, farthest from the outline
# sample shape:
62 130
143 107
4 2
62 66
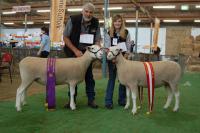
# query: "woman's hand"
78 53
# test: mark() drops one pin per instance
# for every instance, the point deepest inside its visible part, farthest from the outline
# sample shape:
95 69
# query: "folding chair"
6 63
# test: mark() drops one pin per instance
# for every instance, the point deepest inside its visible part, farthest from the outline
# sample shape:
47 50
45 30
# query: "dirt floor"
8 90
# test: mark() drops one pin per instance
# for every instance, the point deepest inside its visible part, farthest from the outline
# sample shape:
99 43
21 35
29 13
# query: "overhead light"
30 22
132 21
9 12
171 20
164 7
8 23
184 7
74 9
197 6
114 8
47 10
197 21
46 22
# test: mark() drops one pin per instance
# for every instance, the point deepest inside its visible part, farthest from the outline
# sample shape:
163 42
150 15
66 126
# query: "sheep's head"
113 52
95 51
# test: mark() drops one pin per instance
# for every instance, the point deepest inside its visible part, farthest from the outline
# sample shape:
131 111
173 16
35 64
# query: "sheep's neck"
120 60
86 59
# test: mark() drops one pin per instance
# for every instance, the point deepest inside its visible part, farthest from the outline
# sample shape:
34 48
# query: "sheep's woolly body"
132 74
65 71
165 72
69 71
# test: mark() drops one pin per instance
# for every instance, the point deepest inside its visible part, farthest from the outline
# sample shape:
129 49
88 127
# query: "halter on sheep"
69 71
132 74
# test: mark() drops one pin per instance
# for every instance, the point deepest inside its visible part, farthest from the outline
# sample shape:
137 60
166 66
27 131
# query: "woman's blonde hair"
122 28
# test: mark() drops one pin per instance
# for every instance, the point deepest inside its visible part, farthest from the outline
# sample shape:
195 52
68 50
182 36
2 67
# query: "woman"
45 43
117 34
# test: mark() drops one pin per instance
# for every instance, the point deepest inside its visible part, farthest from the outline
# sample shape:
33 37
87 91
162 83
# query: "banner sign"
156 32
21 8
57 19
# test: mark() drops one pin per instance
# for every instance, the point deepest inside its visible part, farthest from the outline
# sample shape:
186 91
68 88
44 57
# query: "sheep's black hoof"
110 106
122 104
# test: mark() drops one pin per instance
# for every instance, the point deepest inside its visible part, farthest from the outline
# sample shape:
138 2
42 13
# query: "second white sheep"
132 74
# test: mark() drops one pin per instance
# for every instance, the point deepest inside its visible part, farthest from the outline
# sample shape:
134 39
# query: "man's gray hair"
89 6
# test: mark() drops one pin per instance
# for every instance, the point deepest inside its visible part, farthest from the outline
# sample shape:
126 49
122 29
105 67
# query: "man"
156 52
81 31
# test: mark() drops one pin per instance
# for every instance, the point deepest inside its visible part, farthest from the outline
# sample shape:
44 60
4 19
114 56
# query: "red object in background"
6 63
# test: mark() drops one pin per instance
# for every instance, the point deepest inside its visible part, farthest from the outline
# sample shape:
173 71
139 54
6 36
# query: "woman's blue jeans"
111 85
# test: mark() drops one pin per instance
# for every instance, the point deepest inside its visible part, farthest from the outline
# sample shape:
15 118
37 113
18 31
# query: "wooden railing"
20 53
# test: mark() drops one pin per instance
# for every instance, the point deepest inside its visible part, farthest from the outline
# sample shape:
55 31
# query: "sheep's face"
113 52
95 51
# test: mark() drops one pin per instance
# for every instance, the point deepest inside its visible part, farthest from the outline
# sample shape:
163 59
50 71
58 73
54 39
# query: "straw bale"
197 38
197 42
196 47
188 40
186 51
187 45
195 54
194 68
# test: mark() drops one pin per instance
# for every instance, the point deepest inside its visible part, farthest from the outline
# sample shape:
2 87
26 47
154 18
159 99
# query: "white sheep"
69 71
132 74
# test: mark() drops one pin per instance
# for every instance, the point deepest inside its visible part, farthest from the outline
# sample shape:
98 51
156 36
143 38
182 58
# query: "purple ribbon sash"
50 86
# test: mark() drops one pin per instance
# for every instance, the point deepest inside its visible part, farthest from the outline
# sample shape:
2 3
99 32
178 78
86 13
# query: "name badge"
114 41
87 38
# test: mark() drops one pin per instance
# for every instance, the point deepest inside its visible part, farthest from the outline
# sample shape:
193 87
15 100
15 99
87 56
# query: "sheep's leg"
72 92
127 98
23 98
177 100
20 96
134 96
140 94
169 97
176 95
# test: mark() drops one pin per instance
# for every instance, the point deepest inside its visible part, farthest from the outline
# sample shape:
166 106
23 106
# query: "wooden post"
156 32
151 33
106 25
136 28
57 20
25 21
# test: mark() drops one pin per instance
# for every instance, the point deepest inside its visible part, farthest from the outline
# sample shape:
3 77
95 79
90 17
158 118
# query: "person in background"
45 43
117 34
156 52
77 28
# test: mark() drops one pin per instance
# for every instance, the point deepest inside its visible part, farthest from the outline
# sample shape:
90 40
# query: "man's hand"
78 53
